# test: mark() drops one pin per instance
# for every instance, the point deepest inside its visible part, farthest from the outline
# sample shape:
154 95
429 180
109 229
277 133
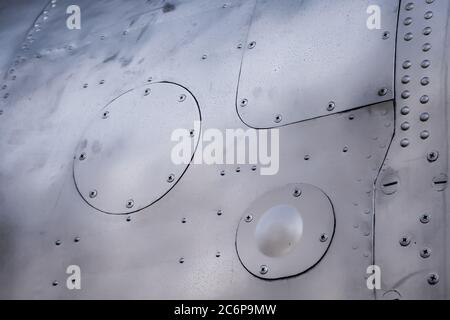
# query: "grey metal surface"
306 59
184 245
417 209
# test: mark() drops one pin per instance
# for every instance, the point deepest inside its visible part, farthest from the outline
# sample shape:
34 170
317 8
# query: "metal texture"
383 165
307 59
418 157
115 167
287 230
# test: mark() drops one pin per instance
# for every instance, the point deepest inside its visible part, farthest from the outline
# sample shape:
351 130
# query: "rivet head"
425 81
407 21
55 283
407 64
181 97
92 194
404 111
425 253
219 212
425 218
331 106
408 37
427 31
171 178
85 85
404 143
128 219
432 156
405 126
218 254
76 239
58 242
424 99
424 116
130 203
83 156
105 114
297 193
278 118
248 218
424 134
406 94
181 260
409 6
323 237
147 91
406 79
382 92
263 269
252 44
428 15
244 103
405 241
433 278
426 47
425 64
386 35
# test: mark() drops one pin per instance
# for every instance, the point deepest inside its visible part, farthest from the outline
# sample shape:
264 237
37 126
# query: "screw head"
278 118
92 194
252 44
244 102
181 97
432 156
323 237
405 241
331 106
425 218
425 253
171 178
249 218
130 203
83 156
263 269
105 114
433 278
297 193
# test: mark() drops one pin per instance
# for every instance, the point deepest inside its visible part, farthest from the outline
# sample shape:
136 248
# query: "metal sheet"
285 232
124 160
411 244
306 59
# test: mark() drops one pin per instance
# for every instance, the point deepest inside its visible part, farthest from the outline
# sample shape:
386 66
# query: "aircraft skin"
351 97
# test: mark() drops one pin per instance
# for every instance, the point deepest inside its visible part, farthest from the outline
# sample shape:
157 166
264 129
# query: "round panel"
286 231
123 163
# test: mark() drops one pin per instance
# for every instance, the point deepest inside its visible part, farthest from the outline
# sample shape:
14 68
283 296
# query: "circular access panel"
124 161
286 231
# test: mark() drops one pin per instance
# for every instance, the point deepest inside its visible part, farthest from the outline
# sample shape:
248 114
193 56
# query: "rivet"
345 149
404 111
409 6
204 57
278 118
239 46
425 81
297 193
181 260
424 135
147 91
405 126
171 178
424 99
58 242
427 31
432 156
248 218
244 102
76 239
102 82
406 79
425 64
130 203
191 133
219 212
85 85
406 94
425 218
306 157
252 44
404 143
382 92
128 219
55 283
409 36
386 35
331 106
263 269
351 117
218 254
429 1
425 253
407 21
407 64
426 47
323 237
222 173
92 193
433 278
253 167
428 15
183 220
83 156
181 97
238 169
424 116
405 241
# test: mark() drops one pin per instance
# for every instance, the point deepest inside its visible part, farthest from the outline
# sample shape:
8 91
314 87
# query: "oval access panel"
123 163
285 232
